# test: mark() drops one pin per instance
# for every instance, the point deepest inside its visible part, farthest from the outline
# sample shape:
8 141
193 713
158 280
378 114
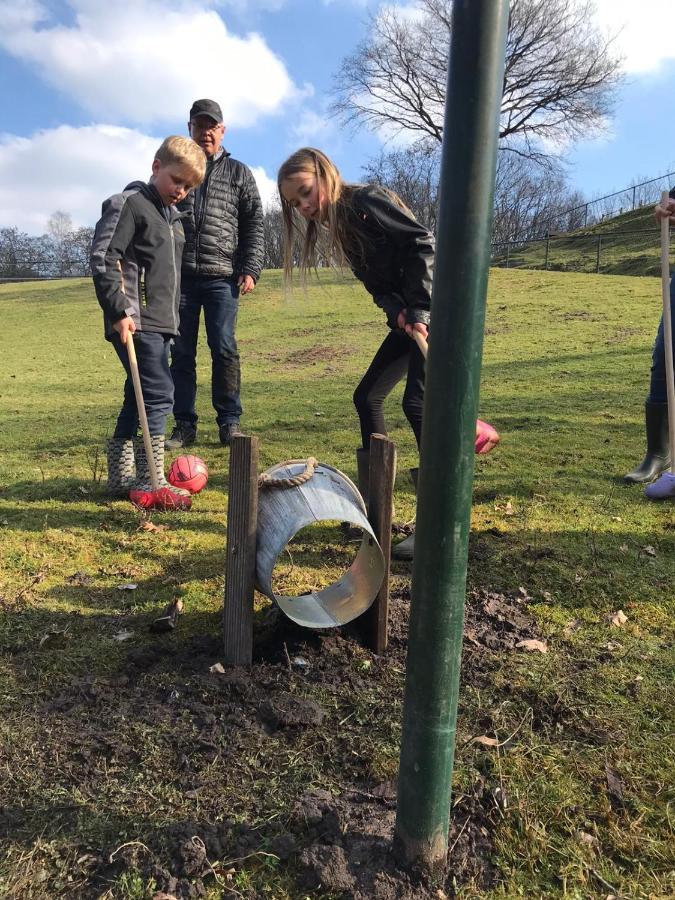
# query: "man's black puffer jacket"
224 222
391 253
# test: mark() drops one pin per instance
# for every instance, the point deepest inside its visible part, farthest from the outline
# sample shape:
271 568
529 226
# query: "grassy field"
622 251
115 745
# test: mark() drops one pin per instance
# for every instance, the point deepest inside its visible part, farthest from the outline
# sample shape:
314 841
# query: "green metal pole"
475 80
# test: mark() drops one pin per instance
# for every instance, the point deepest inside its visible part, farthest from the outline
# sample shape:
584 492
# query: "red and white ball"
189 473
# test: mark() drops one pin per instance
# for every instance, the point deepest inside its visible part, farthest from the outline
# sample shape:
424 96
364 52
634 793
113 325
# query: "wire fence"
630 252
593 212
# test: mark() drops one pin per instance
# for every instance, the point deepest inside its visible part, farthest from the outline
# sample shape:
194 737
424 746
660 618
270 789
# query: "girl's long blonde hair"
308 242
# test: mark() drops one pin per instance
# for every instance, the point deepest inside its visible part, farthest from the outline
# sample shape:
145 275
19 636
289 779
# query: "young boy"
135 262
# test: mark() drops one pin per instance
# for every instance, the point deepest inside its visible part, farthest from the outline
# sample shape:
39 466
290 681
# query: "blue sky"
90 88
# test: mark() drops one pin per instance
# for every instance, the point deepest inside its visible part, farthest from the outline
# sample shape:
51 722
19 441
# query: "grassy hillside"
129 768
577 251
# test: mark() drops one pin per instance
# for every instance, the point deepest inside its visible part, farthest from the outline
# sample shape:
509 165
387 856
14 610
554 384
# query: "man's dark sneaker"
227 432
182 435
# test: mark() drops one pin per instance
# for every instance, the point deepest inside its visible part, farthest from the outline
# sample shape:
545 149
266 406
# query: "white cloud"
266 185
74 170
71 169
145 62
312 128
644 31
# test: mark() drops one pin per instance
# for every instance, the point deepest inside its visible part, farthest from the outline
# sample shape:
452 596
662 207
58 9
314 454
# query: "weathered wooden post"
242 517
380 494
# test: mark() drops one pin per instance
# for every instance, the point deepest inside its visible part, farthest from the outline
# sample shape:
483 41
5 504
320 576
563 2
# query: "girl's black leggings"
398 357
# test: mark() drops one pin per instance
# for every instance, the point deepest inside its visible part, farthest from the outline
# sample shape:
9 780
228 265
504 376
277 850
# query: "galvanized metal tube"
475 80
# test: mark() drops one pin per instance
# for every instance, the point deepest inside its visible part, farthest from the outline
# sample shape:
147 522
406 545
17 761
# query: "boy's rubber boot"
121 466
404 551
657 458
142 481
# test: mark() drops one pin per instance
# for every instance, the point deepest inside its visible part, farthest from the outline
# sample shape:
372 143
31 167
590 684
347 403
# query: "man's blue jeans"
219 298
657 387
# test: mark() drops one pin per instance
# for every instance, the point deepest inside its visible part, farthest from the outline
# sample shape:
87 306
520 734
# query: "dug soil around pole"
280 766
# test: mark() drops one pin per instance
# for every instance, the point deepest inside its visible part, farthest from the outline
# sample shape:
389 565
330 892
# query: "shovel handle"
140 406
421 342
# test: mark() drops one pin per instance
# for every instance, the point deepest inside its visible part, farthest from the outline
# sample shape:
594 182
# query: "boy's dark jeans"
152 352
398 357
657 387
219 298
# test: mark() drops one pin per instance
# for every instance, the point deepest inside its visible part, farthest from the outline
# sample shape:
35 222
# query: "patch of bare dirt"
225 741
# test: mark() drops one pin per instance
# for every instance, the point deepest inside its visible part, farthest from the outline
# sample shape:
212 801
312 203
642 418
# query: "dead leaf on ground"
649 550
614 785
532 645
572 626
150 526
123 636
127 587
618 618
485 741
588 840
217 669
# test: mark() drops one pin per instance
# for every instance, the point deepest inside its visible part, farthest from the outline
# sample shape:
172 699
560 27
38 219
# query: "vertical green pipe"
475 80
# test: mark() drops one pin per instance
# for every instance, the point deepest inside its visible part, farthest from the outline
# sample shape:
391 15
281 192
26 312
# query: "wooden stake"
242 519
380 495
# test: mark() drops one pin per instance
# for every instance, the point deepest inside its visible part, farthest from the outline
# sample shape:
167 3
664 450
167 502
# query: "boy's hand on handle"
665 211
124 327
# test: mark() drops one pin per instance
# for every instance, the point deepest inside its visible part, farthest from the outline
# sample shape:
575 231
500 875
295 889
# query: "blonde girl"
370 229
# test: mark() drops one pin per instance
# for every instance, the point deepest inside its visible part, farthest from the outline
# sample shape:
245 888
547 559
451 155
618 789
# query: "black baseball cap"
206 108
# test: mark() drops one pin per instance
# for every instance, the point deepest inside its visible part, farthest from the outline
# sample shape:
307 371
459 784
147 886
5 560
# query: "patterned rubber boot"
121 466
406 548
142 494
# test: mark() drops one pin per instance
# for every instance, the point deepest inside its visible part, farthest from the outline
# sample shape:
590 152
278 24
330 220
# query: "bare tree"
60 231
80 250
531 201
414 175
559 82
273 236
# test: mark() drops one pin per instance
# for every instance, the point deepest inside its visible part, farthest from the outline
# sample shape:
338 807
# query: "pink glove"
486 437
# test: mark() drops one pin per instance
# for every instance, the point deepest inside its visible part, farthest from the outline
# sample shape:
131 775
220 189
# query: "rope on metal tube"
268 481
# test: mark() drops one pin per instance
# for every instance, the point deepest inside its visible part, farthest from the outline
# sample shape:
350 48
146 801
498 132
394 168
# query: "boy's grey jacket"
392 254
136 258
224 222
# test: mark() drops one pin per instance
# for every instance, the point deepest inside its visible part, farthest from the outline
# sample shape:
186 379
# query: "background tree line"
62 252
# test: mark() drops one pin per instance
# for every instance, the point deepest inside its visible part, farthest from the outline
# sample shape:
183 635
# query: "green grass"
577 251
565 372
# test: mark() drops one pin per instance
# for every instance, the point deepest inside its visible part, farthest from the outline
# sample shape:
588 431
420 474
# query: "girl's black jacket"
390 252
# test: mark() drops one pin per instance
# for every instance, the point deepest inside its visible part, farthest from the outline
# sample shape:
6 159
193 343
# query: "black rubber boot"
657 458
406 548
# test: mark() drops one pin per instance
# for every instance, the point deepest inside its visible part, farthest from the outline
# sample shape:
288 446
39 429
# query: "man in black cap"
222 259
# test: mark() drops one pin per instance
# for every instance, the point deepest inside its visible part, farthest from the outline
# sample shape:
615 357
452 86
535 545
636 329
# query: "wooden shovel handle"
421 342
140 406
